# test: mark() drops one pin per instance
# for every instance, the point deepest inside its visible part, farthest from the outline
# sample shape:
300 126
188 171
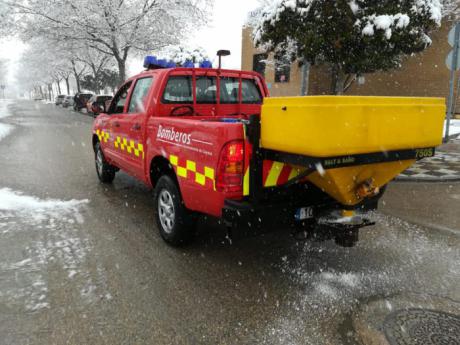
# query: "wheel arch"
160 166
95 140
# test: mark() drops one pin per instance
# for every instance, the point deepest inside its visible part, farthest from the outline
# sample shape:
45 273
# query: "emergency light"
152 62
188 64
206 64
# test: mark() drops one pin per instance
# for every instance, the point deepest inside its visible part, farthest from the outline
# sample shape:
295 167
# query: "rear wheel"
105 171
174 221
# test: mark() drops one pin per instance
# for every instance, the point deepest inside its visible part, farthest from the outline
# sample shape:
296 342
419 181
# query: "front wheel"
105 171
174 221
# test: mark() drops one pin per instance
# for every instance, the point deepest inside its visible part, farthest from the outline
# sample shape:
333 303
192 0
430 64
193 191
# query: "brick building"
423 74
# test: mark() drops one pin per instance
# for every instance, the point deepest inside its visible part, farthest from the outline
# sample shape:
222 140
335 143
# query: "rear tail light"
231 168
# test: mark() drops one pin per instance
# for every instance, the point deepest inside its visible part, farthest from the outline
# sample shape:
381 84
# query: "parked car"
80 100
59 99
68 101
97 102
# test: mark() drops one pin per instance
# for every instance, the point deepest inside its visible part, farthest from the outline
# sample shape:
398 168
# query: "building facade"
423 74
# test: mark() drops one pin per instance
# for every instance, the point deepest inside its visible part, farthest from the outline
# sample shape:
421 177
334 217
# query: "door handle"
136 127
116 124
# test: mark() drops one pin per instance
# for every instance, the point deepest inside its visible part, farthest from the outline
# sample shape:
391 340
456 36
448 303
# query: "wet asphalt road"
82 263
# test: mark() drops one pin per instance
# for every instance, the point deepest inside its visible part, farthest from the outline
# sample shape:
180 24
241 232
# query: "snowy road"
81 263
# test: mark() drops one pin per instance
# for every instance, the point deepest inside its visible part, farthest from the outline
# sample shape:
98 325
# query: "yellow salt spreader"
344 149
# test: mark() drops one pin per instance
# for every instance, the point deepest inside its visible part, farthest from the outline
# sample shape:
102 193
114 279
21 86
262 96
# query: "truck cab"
181 122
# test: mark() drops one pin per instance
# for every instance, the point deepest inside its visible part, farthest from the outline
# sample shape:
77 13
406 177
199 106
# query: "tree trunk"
50 90
77 81
121 70
59 87
337 80
67 84
76 76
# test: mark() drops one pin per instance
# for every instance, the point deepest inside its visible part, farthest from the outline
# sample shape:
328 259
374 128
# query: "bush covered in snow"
353 36
180 55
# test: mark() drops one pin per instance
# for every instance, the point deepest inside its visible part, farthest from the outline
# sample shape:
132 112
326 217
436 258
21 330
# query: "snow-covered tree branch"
352 36
115 28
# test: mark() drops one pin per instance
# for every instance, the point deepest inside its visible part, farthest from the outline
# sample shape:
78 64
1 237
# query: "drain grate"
422 327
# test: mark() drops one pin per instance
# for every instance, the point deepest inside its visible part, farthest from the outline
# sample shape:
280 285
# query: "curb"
426 179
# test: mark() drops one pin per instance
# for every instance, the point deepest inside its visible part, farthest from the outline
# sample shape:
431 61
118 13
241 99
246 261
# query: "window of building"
282 70
258 63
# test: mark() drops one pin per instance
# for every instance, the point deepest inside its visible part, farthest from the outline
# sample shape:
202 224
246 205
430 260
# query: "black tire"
174 221
105 171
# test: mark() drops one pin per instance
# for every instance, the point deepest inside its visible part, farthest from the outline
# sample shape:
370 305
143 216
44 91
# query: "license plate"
304 213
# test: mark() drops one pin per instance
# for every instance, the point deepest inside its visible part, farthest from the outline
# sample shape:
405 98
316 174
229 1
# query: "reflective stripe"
246 183
182 172
191 166
273 175
200 179
102 135
132 147
190 169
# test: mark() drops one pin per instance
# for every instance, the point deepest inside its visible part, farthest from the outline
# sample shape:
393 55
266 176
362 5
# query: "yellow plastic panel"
323 126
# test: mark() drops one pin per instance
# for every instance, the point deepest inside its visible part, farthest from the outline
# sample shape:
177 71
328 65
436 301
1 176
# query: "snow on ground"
4 108
5 129
333 281
34 235
454 127
11 200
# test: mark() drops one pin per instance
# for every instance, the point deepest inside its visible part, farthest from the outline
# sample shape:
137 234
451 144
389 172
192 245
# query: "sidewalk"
443 167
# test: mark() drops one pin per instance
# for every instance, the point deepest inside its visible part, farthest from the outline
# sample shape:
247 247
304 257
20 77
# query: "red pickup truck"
194 134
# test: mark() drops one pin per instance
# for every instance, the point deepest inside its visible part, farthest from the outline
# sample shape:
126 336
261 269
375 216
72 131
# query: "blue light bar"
188 64
150 61
171 64
162 63
206 64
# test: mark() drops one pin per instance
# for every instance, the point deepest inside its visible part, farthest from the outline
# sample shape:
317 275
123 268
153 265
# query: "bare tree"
116 28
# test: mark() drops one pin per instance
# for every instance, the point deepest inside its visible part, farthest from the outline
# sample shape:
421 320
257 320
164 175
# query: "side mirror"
101 107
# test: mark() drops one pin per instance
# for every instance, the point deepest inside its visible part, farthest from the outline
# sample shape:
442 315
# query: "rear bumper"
282 209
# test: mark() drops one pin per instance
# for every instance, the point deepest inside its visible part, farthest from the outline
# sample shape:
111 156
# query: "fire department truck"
211 141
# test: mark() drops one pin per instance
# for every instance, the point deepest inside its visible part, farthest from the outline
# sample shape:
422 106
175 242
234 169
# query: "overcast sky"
223 32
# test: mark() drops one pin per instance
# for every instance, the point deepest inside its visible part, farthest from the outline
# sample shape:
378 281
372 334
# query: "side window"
178 90
206 90
250 92
229 90
139 96
258 63
118 104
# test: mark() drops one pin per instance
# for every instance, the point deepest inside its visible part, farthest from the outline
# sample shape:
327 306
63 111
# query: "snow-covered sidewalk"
5 129
454 128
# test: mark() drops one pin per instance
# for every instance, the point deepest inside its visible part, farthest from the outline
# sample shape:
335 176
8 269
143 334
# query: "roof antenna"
221 53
